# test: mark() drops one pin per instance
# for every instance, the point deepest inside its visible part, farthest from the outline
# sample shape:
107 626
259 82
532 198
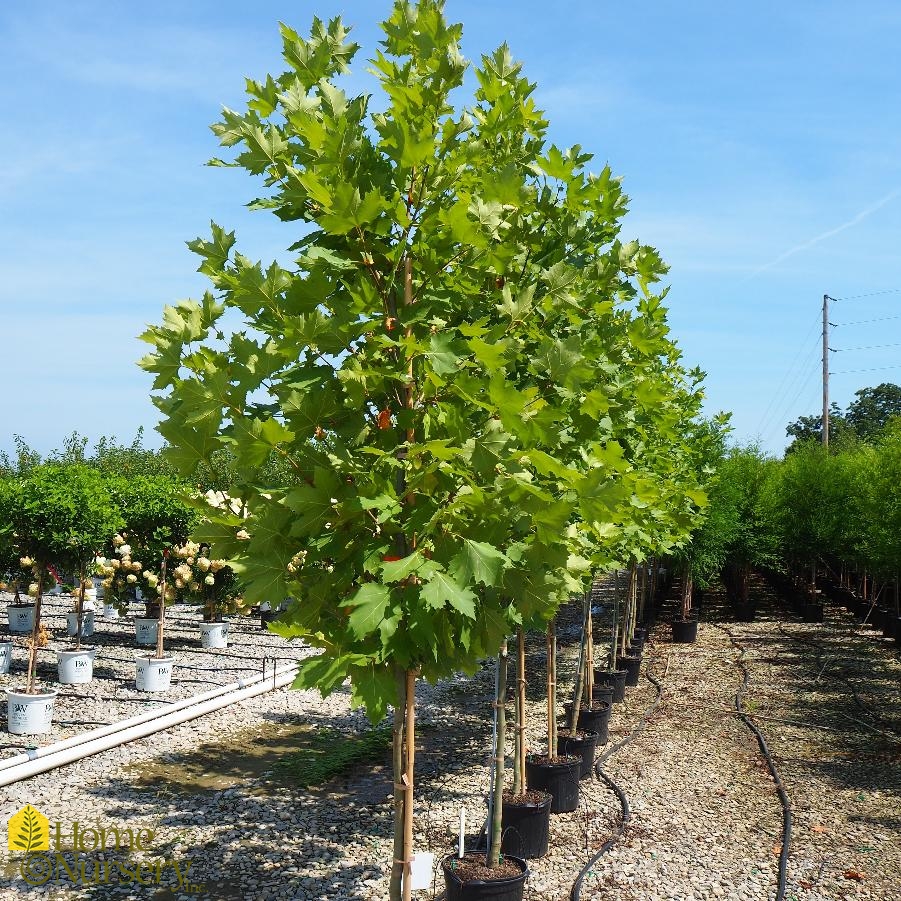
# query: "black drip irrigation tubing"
626 816
771 766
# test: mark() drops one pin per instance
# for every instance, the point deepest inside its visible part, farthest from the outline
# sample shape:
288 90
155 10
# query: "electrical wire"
874 369
864 321
870 294
839 350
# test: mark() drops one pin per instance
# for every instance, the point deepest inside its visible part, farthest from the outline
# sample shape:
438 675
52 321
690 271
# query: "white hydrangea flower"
33 589
118 541
209 580
26 562
131 578
203 564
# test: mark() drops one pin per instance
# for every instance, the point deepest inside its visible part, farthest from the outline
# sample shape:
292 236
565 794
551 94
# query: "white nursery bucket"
87 623
6 655
153 673
145 630
21 617
75 667
110 611
214 635
29 714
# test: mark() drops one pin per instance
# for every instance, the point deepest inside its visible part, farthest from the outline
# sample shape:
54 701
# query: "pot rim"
19 606
159 660
38 696
574 760
506 880
527 805
91 651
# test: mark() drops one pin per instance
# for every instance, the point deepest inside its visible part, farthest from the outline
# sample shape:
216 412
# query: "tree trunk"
497 799
580 672
686 592
35 632
79 609
644 591
589 662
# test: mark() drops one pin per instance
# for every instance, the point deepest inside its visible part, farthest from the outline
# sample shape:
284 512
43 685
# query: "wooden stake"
410 748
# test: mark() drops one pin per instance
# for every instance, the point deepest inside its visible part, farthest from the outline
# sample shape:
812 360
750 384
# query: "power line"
871 294
838 350
874 369
862 321
789 377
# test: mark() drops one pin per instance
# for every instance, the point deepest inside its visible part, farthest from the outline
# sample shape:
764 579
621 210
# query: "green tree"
463 364
872 408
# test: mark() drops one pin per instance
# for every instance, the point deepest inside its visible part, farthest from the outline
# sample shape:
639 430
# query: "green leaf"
478 562
369 603
443 589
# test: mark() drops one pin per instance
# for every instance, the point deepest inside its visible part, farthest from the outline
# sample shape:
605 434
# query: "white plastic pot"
145 630
87 623
153 673
99 590
110 611
75 667
6 655
21 617
214 635
29 714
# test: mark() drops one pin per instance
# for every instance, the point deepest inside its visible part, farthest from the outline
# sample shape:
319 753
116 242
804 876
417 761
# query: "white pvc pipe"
153 713
102 739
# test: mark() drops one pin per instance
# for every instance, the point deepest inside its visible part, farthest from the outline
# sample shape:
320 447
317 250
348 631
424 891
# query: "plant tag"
421 870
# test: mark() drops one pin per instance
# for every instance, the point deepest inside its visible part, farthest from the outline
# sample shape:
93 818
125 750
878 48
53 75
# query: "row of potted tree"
468 374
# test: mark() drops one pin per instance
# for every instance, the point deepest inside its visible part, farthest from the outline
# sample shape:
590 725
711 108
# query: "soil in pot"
632 665
616 680
685 631
557 775
468 879
525 824
583 744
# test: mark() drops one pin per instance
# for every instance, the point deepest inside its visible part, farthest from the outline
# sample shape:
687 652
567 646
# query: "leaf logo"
28 830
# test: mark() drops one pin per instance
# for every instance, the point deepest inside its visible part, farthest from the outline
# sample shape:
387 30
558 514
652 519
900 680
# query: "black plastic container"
525 827
601 692
583 745
595 720
889 626
685 631
561 780
616 680
266 617
509 889
632 665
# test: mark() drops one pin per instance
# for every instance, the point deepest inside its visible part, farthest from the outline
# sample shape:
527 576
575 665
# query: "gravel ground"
706 821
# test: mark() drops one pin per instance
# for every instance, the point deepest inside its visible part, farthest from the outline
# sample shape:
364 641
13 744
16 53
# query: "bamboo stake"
410 747
551 689
519 768
395 886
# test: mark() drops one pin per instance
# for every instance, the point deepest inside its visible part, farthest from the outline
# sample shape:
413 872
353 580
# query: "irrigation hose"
771 766
626 816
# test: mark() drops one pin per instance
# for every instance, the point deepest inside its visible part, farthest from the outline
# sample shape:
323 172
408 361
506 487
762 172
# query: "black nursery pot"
631 663
525 827
561 780
889 626
266 617
616 680
595 720
744 613
509 889
813 613
583 747
601 692
685 631
898 631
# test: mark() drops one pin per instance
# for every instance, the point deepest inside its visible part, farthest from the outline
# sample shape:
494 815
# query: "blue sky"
760 145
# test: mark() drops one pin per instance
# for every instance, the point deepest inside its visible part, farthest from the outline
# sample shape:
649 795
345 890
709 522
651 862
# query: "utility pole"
825 370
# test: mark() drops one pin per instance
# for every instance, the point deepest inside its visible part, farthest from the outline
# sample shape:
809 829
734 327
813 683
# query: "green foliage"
58 513
329 753
461 395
